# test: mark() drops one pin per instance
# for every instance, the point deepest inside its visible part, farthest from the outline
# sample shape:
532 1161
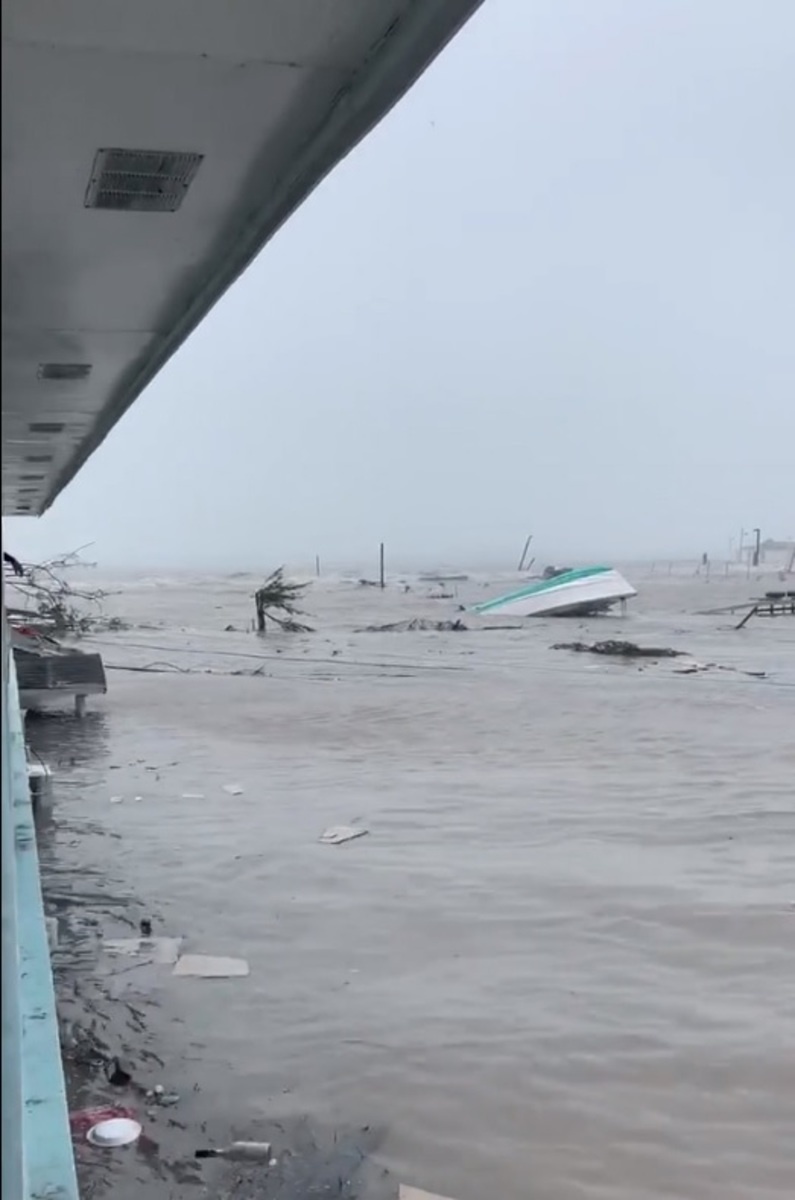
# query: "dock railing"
37 1161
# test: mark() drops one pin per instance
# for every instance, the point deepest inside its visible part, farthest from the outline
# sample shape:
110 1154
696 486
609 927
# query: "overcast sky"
552 292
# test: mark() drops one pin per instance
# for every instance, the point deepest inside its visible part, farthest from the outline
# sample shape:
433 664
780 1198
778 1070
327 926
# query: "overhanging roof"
261 98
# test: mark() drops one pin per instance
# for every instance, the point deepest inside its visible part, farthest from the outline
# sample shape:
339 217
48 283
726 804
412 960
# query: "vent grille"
64 371
31 479
38 458
35 671
141 180
47 427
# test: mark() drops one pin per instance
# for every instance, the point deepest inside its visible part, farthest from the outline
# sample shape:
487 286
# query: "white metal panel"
272 93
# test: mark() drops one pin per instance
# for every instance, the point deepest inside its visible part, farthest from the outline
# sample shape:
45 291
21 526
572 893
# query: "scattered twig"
418 625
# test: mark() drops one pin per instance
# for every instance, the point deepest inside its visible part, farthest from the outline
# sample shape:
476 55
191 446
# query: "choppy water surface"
560 964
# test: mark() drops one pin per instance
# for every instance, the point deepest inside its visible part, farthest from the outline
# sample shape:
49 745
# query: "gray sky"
553 291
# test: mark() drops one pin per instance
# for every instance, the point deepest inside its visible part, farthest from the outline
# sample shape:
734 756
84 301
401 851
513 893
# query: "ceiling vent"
31 479
141 180
38 458
63 372
47 427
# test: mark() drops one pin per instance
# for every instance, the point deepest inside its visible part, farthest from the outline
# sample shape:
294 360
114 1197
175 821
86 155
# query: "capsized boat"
572 593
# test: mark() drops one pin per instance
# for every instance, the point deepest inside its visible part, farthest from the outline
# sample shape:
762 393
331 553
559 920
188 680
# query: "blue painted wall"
37 1161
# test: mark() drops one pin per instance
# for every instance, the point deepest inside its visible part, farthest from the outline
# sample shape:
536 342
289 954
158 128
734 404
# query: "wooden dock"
772 604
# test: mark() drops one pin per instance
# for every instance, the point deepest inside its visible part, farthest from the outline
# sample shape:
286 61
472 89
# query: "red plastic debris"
86 1118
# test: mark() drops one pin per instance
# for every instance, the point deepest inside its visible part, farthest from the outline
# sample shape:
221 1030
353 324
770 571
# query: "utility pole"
757 546
524 552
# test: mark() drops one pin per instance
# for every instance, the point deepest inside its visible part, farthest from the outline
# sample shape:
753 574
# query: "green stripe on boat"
542 585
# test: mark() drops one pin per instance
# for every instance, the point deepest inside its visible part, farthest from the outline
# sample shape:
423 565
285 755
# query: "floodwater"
561 963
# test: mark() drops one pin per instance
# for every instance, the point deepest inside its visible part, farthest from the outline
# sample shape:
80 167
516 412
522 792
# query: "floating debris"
162 1098
418 624
435 577
630 650
85 1119
162 950
240 1152
51 925
412 1193
617 649
233 789
118 1131
696 668
119 1073
206 966
337 834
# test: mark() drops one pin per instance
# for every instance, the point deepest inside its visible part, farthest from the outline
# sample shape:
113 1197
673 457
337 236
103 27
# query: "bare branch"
49 597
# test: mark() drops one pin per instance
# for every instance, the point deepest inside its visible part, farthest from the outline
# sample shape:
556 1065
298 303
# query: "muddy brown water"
559 965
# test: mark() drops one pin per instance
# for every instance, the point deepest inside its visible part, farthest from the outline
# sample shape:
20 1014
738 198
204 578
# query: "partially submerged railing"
37 1161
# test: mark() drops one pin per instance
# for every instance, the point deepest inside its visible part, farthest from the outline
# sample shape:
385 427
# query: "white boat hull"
590 590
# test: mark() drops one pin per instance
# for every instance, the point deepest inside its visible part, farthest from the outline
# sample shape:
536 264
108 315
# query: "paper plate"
120 1131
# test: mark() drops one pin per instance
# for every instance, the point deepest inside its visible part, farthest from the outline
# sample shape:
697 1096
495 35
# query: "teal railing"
37 1160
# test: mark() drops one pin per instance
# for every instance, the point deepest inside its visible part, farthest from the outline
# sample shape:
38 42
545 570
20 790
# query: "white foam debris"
412 1193
337 834
163 950
206 966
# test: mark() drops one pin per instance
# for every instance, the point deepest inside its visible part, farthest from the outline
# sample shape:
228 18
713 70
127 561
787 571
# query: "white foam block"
412 1193
338 834
206 966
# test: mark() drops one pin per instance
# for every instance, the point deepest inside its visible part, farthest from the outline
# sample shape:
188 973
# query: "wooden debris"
617 649
418 624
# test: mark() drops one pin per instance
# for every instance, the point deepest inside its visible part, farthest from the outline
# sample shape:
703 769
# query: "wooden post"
757 546
382 578
317 565
261 627
524 552
747 617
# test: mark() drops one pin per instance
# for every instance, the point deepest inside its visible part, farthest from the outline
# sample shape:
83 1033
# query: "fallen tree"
279 595
46 595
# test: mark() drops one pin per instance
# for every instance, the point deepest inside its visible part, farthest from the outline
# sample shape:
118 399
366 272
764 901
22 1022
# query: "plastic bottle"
240 1152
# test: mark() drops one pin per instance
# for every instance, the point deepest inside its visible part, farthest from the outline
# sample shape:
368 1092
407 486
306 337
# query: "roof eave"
406 50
